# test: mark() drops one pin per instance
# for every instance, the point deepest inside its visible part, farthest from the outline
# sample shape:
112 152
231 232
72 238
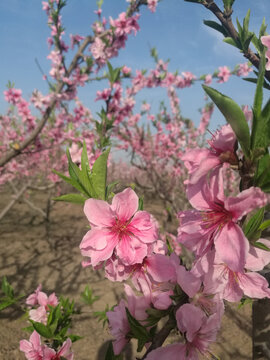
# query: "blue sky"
176 30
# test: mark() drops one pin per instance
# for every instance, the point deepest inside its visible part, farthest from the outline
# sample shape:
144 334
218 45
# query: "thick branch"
226 21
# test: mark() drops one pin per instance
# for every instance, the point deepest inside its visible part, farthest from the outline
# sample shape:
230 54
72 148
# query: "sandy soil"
33 252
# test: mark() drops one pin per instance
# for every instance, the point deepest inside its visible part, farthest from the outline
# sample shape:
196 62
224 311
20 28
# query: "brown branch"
161 336
226 21
88 40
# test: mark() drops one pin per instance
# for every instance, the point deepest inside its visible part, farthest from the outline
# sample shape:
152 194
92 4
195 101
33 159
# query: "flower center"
216 218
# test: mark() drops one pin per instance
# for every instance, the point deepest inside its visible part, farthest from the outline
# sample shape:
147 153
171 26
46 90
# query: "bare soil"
34 252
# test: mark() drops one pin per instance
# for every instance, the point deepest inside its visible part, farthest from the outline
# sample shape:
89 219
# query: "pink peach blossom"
266 42
118 229
215 221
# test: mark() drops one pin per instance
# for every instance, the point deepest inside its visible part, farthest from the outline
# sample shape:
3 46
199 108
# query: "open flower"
266 42
32 349
118 322
199 162
215 221
118 229
199 331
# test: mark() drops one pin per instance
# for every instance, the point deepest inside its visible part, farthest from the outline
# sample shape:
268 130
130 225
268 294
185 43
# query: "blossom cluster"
39 304
126 241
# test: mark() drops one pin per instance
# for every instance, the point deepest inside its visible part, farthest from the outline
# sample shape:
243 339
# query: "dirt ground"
33 252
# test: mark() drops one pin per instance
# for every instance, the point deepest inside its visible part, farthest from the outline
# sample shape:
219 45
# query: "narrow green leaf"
70 181
264 225
260 245
72 198
42 330
232 42
262 175
6 303
74 338
140 207
216 26
99 175
252 226
266 187
234 116
79 176
246 22
110 354
254 80
73 169
247 41
7 288
240 30
257 124
138 331
86 172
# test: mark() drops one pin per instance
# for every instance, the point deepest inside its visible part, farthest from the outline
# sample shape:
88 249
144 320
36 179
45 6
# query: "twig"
226 21
13 201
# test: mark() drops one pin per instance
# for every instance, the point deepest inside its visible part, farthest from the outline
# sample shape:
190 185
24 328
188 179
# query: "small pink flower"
208 79
224 74
64 352
244 69
152 4
39 314
199 331
266 42
33 298
32 349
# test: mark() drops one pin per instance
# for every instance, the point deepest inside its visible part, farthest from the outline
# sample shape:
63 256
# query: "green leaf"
247 41
109 189
42 330
110 354
6 303
88 297
261 246
74 338
228 4
194 1
258 125
264 225
254 80
73 198
263 170
79 176
140 207
86 172
72 182
216 26
7 288
99 175
138 331
154 316
234 116
232 42
266 187
246 22
252 226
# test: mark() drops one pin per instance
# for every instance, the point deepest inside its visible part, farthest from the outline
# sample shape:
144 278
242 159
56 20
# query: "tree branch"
226 21
161 336
88 40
